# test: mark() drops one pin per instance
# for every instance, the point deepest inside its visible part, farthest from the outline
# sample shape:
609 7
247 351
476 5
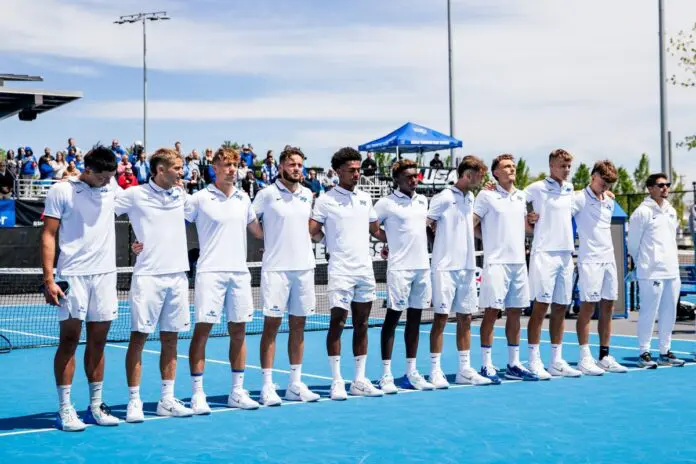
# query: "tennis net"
27 321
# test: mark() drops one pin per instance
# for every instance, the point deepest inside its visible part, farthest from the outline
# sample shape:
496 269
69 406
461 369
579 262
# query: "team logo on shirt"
363 202
567 189
421 201
303 199
657 283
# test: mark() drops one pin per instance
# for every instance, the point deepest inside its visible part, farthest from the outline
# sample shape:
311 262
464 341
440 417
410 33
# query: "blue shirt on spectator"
28 165
141 169
80 166
70 158
118 152
271 172
248 157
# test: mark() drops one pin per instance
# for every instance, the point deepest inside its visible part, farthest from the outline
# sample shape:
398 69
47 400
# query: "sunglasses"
663 185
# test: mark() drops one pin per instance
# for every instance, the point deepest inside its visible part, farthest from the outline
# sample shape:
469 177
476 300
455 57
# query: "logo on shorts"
499 301
345 300
657 283
443 306
363 202
211 314
594 295
147 322
402 303
546 295
186 324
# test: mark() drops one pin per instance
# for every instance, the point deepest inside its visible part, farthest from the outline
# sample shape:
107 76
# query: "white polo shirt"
453 249
87 233
287 245
346 217
404 220
553 202
593 222
503 217
221 223
157 217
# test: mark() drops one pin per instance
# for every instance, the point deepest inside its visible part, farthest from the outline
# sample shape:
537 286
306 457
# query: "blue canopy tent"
412 138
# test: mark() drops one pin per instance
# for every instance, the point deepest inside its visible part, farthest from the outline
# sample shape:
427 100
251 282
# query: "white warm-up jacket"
652 240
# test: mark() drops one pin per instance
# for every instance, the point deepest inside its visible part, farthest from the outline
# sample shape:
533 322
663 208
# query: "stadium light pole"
664 139
143 18
449 61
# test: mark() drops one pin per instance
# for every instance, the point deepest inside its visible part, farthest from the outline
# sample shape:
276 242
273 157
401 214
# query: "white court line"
321 400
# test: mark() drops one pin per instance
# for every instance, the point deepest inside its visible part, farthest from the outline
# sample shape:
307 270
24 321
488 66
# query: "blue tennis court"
638 416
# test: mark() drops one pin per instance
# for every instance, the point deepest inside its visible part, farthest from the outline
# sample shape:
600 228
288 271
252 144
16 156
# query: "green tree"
625 191
2 153
230 144
540 176
677 197
522 175
582 177
381 159
683 47
448 161
641 173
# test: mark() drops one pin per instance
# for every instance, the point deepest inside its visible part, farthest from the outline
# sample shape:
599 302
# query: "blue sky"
530 75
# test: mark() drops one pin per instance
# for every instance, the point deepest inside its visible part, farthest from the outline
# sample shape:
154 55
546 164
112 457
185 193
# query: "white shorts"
409 289
228 291
598 281
455 290
291 291
160 299
90 298
346 289
504 286
551 277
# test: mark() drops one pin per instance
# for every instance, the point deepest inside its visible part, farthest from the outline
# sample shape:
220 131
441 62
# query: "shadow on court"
41 420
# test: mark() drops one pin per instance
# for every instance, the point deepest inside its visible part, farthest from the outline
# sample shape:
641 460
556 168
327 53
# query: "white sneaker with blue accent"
415 381
363 387
173 407
100 414
134 412
269 396
298 391
199 404
338 390
240 399
386 384
68 421
438 379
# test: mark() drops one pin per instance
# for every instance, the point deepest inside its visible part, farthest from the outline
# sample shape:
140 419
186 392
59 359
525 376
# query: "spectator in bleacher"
312 183
118 150
123 165
6 181
59 166
72 154
29 164
71 171
263 182
191 175
331 180
436 162
369 165
79 162
11 162
250 185
127 179
269 167
46 165
135 153
141 168
196 158
177 148
248 155
206 167
71 144
242 171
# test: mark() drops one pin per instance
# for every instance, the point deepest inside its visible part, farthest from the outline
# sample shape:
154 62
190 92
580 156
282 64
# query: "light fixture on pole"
143 17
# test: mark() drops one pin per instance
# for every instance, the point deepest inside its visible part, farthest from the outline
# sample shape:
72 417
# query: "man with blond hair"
159 288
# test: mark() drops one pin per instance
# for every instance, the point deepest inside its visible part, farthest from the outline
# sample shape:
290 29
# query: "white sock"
360 362
134 393
267 376
556 353
167 389
335 363
237 380
410 365
64 395
435 362
486 352
386 367
197 383
514 355
465 359
95 393
533 352
585 351
295 373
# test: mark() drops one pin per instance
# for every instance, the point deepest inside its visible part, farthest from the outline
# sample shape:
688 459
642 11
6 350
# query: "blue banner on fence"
7 213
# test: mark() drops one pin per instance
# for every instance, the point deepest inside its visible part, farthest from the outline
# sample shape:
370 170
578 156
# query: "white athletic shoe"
610 364
298 391
537 368
269 396
438 379
100 414
240 399
386 384
562 369
172 407
418 382
68 421
134 413
363 387
338 390
471 377
588 366
199 404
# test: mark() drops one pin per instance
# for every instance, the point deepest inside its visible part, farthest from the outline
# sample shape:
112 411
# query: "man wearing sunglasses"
652 242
